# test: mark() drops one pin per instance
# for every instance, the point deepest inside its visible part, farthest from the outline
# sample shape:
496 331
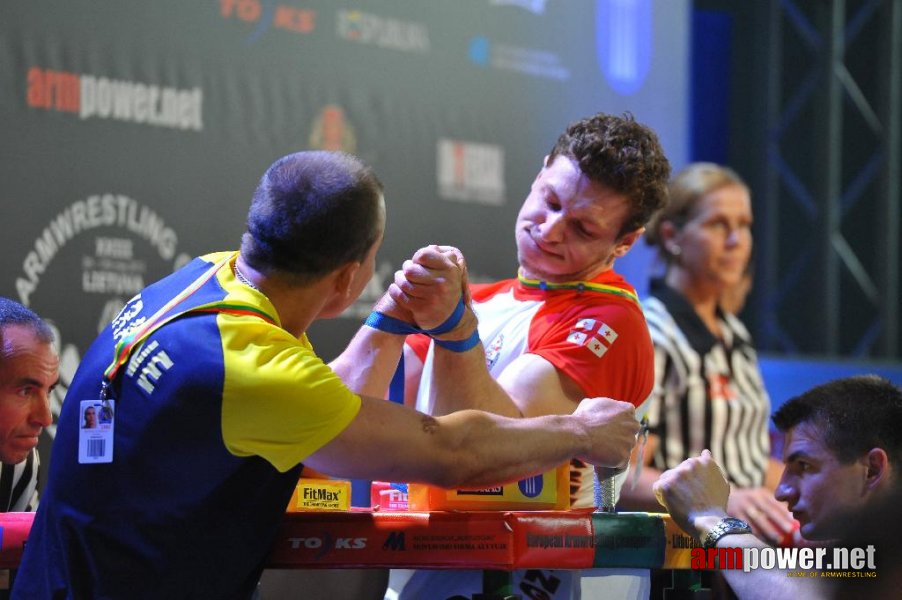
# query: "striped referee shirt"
708 392
19 484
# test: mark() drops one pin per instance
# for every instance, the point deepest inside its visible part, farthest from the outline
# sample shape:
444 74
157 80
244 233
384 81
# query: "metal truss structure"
828 234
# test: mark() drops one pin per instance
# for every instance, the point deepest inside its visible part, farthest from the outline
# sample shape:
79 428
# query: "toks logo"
287 18
326 544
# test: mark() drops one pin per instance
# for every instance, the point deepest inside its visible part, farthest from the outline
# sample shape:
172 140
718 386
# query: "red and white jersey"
592 331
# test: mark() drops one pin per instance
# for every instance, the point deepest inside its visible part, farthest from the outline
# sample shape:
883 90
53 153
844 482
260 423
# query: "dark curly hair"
853 415
622 155
312 212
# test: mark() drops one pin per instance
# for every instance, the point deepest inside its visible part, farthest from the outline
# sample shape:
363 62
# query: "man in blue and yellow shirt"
214 398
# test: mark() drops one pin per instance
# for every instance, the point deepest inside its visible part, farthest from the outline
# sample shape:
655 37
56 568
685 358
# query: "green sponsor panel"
628 540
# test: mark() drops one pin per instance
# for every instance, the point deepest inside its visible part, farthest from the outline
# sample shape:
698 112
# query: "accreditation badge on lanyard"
95 434
95 442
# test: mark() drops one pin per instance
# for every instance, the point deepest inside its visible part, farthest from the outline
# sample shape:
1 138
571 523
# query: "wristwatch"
726 526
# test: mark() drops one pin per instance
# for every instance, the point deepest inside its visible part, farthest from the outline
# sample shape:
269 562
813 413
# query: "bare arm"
530 386
413 370
460 380
369 362
696 494
470 448
769 518
430 284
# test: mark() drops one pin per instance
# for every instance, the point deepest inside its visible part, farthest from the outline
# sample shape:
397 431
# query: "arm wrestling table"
493 541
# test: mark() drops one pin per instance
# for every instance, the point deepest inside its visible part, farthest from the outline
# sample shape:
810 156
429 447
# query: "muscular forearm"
369 362
470 448
460 381
761 584
488 449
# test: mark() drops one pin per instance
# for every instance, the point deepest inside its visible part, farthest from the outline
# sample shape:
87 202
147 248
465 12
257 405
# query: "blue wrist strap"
450 323
383 322
459 345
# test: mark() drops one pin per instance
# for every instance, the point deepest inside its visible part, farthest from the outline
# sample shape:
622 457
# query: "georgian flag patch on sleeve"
590 333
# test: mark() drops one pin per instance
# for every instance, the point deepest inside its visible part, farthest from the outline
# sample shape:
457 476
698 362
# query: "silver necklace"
240 277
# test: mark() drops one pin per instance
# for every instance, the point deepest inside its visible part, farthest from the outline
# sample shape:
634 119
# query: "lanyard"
580 286
133 339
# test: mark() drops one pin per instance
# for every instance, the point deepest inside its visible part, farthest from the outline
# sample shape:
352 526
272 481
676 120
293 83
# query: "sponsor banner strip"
628 539
450 540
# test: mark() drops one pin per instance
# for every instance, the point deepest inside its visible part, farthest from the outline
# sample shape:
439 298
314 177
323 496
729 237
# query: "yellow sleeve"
280 401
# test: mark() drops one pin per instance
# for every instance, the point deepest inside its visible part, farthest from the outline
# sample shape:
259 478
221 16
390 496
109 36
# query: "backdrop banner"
135 132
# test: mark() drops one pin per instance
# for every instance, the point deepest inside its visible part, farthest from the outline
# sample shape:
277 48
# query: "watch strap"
726 526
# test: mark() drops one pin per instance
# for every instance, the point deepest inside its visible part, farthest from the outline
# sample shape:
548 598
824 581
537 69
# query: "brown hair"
622 155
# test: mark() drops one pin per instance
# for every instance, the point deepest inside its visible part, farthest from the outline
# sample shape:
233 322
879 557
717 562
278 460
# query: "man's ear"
878 468
626 242
344 277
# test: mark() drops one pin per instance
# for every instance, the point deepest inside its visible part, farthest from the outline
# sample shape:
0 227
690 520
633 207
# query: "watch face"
732 523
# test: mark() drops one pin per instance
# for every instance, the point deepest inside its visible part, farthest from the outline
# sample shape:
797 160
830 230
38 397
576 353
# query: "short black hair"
311 213
854 415
13 313
622 155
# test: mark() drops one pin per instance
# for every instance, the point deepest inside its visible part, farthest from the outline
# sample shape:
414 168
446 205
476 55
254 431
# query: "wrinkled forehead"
22 351
806 438
21 339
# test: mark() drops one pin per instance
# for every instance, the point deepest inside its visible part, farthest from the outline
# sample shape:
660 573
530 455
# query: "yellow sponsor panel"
320 494
548 491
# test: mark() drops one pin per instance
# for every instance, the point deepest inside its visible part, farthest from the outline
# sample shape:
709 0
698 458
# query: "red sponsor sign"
367 539
439 540
14 528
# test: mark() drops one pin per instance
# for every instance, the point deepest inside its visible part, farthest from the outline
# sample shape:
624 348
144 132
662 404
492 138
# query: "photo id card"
95 434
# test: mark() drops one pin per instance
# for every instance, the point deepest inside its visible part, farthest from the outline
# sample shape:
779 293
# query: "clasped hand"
428 287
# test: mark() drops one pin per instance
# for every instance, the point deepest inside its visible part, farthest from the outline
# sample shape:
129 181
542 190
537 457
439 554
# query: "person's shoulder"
485 290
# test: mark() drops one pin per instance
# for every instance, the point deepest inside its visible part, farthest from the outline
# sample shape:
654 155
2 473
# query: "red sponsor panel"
553 539
14 528
385 496
366 539
440 540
